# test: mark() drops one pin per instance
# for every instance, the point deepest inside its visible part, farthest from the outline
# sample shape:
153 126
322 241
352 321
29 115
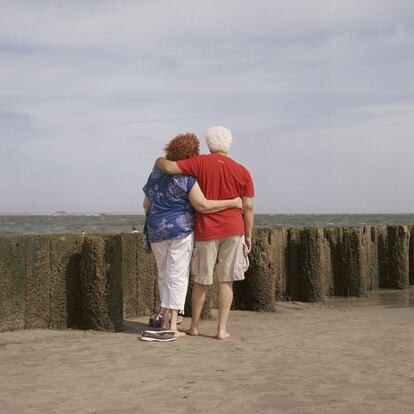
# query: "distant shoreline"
69 214
97 214
79 223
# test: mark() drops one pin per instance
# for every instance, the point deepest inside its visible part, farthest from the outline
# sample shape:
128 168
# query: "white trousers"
173 259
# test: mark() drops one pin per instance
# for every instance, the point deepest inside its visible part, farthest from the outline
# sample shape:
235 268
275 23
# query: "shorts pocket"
195 262
244 258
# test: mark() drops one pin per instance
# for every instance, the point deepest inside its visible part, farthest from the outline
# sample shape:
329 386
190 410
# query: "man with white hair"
223 239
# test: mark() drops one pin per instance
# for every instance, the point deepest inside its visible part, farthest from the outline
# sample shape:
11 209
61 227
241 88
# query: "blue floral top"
170 214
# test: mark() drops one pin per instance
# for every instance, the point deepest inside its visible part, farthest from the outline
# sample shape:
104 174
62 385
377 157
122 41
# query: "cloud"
92 90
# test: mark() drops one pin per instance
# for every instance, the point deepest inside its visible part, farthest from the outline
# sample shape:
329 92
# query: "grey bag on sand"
156 320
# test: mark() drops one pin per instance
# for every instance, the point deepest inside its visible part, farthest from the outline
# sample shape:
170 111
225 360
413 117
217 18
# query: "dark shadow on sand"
200 335
133 327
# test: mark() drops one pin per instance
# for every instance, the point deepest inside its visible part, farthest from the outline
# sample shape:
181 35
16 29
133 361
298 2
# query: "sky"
319 95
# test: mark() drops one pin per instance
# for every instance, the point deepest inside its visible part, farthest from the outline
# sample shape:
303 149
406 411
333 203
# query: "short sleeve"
145 188
190 183
155 174
248 189
189 166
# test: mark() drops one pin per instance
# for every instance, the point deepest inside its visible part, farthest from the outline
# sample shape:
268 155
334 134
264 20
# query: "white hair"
218 139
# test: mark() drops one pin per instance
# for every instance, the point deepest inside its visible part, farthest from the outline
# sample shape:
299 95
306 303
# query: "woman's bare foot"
179 334
192 331
222 335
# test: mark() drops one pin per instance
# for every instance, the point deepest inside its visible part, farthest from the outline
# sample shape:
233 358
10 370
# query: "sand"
304 358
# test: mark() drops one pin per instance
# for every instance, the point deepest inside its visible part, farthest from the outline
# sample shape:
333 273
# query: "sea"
62 223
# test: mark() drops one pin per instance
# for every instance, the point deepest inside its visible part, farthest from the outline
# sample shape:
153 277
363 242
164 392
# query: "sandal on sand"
158 336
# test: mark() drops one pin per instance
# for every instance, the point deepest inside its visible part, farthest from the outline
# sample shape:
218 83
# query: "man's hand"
248 242
248 220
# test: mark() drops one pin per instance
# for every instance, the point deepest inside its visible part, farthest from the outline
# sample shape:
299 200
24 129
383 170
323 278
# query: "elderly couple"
221 192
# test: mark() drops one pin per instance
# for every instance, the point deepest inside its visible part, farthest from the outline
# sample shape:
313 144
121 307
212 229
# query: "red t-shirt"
220 178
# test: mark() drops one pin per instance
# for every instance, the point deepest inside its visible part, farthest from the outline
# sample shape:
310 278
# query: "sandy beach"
345 356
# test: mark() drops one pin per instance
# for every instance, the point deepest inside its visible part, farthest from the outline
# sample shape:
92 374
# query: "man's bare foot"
223 335
179 334
192 331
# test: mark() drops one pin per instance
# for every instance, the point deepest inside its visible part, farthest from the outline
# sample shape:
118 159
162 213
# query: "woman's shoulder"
156 173
155 182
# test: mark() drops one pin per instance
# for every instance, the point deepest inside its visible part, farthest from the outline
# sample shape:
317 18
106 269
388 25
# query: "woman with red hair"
169 202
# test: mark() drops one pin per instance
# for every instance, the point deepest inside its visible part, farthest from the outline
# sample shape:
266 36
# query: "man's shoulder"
239 166
196 158
206 160
201 159
205 156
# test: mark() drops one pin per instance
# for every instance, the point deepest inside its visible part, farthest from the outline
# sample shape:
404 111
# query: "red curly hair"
181 147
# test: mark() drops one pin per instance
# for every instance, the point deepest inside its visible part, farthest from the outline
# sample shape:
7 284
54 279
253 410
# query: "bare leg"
225 298
166 318
174 314
198 298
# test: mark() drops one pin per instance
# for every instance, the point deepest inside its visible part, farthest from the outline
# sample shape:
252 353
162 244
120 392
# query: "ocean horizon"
76 223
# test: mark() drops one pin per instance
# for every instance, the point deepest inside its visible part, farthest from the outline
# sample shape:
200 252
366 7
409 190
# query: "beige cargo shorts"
227 257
